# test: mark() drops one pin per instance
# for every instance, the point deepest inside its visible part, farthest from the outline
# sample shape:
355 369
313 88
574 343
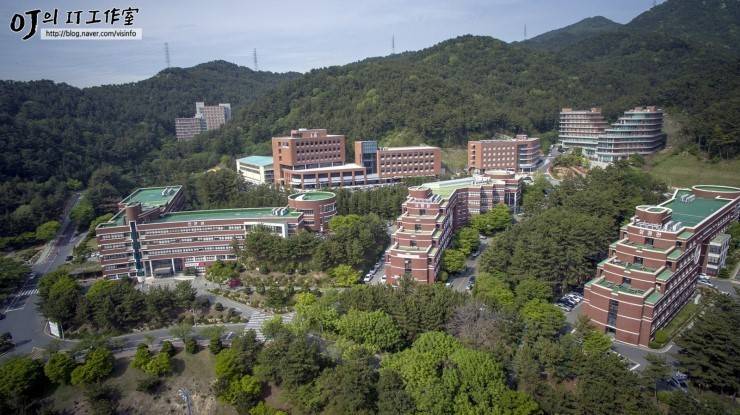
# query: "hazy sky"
289 35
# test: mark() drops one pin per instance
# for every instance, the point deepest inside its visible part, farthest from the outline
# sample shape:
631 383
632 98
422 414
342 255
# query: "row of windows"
189 249
193 229
107 236
193 239
385 156
118 245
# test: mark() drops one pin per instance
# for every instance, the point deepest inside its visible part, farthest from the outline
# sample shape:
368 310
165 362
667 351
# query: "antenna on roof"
167 54
254 58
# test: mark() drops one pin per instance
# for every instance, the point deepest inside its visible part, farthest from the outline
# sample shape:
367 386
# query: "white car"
382 278
367 278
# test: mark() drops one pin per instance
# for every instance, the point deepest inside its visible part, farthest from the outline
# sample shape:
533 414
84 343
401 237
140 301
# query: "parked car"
706 282
564 306
475 254
367 278
483 237
69 258
382 278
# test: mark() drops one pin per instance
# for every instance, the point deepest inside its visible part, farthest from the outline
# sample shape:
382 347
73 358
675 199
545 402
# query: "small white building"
256 169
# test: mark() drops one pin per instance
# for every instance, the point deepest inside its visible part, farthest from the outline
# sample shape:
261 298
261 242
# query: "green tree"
221 272
244 393
709 348
59 368
392 396
496 219
453 261
289 360
542 319
262 409
83 213
596 342
184 294
344 275
98 365
159 365
21 380
493 291
466 239
141 357
531 289
230 364
48 230
59 303
373 329
348 388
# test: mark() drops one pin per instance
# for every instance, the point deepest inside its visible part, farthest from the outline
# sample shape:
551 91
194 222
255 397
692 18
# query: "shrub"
159 365
191 346
215 345
218 307
168 348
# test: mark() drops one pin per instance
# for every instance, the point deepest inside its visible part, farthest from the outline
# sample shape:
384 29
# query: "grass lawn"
687 313
193 372
684 170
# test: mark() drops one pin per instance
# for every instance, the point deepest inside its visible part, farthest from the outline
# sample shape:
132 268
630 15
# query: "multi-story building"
433 212
519 154
215 116
310 159
638 131
581 129
385 164
651 271
207 117
717 254
187 128
149 237
256 169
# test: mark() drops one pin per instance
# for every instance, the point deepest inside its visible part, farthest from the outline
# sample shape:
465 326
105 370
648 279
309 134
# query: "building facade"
256 169
312 159
389 163
638 131
652 270
207 117
149 237
519 154
431 215
581 129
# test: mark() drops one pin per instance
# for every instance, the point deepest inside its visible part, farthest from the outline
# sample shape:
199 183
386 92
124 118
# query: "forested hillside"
558 39
51 133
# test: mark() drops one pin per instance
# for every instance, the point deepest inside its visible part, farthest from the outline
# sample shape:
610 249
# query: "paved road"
544 166
23 320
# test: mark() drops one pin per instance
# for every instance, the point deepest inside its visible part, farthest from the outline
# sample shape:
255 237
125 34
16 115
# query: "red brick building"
390 163
148 237
519 154
651 271
433 212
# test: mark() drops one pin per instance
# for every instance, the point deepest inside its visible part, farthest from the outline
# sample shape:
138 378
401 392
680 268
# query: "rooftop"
715 188
347 166
246 213
446 188
262 161
312 196
621 288
692 213
152 197
419 147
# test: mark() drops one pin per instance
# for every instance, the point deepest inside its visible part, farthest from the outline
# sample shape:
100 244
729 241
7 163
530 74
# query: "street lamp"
185 396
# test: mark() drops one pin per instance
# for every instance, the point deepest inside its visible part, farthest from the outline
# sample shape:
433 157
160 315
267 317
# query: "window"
422 212
638 260
626 280
649 241
417 227
412 242
611 318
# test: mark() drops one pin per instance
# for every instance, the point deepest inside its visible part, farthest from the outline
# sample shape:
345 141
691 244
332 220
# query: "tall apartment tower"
207 117
638 131
519 154
652 270
581 129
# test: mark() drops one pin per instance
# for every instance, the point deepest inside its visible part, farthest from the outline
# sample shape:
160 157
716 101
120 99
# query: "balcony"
629 266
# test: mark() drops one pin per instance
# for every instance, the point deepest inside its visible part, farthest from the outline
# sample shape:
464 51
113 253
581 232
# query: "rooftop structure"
651 271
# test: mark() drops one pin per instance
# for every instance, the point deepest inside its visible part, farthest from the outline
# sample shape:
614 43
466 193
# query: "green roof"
692 213
152 197
685 235
312 196
653 298
675 254
446 188
249 213
263 161
622 288
715 188
665 275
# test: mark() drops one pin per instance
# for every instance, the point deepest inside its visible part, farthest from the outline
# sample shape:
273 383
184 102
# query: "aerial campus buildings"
150 237
207 117
638 131
652 270
432 213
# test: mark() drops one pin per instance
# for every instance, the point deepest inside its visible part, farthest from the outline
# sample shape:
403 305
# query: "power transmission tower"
393 44
254 58
525 31
167 54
